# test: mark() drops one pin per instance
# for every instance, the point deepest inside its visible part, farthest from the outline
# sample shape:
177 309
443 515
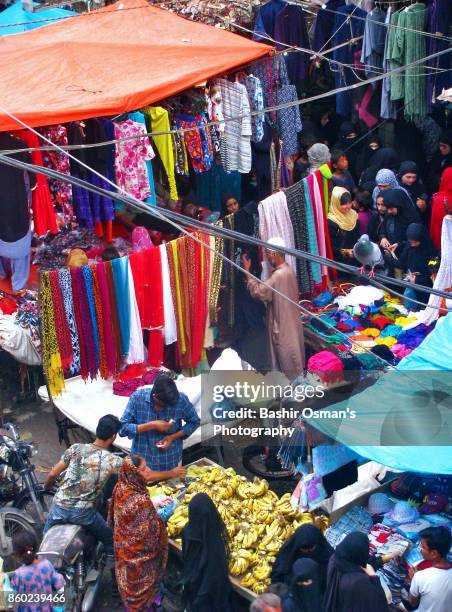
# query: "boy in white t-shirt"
431 588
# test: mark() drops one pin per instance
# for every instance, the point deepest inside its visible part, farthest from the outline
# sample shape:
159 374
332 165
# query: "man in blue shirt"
153 420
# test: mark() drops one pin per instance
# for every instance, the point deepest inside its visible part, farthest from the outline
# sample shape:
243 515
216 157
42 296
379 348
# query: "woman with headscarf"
386 179
205 555
441 160
77 258
308 542
352 585
366 155
348 137
392 235
318 155
140 538
441 206
304 593
343 225
415 258
409 179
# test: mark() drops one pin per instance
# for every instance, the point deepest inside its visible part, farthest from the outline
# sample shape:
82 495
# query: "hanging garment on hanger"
274 221
388 108
120 267
296 206
291 30
236 142
138 117
132 173
136 346
256 100
170 327
272 73
44 218
195 141
324 25
439 18
374 42
159 120
405 47
289 122
265 20
61 192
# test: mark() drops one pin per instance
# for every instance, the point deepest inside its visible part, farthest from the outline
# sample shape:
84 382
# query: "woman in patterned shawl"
140 539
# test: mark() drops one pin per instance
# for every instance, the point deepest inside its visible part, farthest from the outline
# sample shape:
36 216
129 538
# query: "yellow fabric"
371 331
345 220
404 320
51 358
180 318
388 341
209 340
160 123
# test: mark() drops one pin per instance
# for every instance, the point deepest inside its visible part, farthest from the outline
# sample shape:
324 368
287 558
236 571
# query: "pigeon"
368 254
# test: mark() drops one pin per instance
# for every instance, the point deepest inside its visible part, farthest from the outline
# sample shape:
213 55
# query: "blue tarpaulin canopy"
410 406
27 20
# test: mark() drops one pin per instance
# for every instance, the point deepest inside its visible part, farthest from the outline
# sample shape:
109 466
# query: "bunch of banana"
259 487
262 571
248 581
232 527
266 503
224 491
302 519
212 475
283 506
261 587
175 524
240 561
248 535
196 471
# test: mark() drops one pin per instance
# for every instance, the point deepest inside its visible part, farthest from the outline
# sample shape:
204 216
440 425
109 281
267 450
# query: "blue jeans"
91 520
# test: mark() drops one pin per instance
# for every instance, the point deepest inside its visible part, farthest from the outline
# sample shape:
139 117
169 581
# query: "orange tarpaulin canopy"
110 61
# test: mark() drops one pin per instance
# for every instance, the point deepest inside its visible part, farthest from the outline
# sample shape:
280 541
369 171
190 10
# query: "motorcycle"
76 554
19 486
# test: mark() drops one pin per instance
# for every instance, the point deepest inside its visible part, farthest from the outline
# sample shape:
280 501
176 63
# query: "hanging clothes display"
272 73
374 42
64 277
51 359
136 347
170 325
215 185
256 100
406 46
197 142
438 20
324 24
388 107
291 30
131 156
289 122
236 143
138 117
265 20
159 121
274 221
296 205
44 218
107 320
61 192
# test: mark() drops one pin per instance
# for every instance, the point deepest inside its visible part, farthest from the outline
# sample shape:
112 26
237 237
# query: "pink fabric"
141 239
125 388
107 318
130 159
319 206
327 366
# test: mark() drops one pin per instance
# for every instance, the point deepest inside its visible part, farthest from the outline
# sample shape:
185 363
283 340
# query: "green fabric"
405 47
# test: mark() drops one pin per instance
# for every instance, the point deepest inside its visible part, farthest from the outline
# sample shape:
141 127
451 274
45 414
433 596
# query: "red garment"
382 321
147 275
441 206
44 218
8 305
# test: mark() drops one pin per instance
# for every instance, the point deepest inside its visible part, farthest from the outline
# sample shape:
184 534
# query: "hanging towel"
274 221
170 325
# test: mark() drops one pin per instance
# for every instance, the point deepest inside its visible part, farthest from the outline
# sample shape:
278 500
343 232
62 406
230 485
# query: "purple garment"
40 578
265 22
87 328
290 29
363 221
439 17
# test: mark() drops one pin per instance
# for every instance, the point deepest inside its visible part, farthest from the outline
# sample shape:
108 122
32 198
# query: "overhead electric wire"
268 109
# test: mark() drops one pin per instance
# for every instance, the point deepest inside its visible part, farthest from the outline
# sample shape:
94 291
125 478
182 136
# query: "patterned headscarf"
385 177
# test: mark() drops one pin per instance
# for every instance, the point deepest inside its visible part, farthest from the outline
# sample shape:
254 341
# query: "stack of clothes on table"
367 320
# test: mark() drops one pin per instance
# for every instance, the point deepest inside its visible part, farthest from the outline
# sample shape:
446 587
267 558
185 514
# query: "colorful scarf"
64 277
217 269
51 359
140 538
173 263
88 278
107 318
78 322
61 326
120 267
100 324
86 322
114 315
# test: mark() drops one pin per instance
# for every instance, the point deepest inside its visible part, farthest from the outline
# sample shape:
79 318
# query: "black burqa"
349 588
394 227
416 258
416 190
205 556
297 547
303 597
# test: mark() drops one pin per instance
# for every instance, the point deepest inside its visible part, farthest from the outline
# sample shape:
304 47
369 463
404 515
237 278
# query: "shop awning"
110 61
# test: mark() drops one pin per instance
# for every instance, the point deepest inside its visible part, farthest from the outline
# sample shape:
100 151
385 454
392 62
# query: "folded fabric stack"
385 540
356 519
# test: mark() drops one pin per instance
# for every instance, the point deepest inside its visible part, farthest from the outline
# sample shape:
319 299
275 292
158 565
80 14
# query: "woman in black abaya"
304 592
352 585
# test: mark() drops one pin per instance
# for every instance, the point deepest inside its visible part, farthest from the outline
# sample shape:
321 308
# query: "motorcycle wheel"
14 524
26 504
263 462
